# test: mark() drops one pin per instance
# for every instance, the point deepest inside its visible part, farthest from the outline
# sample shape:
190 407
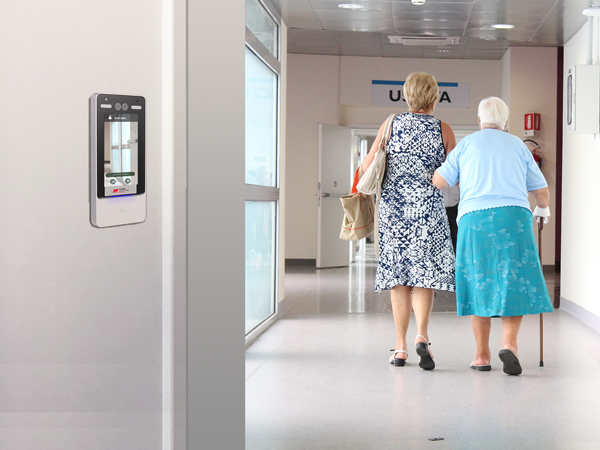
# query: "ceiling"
321 27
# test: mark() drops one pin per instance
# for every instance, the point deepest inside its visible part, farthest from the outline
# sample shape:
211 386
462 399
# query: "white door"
333 183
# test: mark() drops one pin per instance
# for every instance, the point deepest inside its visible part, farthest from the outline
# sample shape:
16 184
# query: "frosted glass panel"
114 134
261 124
115 165
260 262
126 160
125 132
262 25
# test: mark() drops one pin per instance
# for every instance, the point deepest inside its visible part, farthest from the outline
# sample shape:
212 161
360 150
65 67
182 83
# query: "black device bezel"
130 100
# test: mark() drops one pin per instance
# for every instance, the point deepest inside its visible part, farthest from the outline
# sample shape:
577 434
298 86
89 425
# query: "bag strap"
387 131
385 138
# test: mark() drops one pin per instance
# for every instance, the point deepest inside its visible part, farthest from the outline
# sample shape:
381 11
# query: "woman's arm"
542 197
448 138
371 155
439 182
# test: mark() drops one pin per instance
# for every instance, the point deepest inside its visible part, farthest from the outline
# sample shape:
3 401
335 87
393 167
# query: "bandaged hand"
541 212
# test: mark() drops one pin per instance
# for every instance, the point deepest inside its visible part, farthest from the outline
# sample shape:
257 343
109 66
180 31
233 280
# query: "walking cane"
540 228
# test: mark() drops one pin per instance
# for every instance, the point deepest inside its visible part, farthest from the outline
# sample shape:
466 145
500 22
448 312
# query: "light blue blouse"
494 169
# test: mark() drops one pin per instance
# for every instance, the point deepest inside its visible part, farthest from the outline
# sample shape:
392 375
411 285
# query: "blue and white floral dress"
415 248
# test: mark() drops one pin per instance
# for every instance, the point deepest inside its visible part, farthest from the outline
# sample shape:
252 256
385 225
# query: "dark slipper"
511 362
425 360
481 367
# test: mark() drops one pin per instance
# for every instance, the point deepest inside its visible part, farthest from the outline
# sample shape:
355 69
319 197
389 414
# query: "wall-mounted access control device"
583 99
117 160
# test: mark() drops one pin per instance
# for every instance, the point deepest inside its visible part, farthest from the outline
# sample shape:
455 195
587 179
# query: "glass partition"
261 165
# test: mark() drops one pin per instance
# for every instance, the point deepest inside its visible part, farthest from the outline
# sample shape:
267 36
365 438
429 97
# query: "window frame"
268 193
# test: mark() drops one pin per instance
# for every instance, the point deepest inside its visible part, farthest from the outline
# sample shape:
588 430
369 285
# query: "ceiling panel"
492 18
352 16
519 28
312 38
369 6
445 7
381 26
304 19
480 44
403 15
513 2
511 35
320 26
428 33
521 7
358 44
431 24
449 53
402 51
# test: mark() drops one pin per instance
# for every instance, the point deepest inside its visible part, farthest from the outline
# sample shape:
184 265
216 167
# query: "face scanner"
117 160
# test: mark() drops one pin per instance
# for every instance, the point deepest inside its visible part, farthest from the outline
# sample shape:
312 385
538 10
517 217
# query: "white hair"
493 112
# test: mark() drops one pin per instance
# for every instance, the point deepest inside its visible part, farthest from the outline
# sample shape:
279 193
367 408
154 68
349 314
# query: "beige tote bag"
359 220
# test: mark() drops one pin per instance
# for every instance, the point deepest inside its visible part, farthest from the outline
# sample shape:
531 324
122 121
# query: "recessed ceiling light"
351 6
502 26
593 10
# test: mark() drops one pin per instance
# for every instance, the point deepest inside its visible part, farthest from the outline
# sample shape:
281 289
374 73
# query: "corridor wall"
528 91
337 90
80 307
580 241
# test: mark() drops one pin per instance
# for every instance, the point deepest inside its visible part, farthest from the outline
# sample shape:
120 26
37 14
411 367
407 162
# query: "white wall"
532 88
580 241
337 90
506 77
80 307
356 74
312 98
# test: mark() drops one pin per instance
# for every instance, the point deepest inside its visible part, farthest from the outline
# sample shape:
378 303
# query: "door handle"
326 194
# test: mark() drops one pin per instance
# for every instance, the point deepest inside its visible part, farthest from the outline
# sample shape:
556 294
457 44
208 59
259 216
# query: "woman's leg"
481 330
510 330
422 303
401 312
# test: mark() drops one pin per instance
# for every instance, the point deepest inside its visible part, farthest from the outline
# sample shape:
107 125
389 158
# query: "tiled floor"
319 378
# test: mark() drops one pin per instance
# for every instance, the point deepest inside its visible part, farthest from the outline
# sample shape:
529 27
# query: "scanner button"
105 105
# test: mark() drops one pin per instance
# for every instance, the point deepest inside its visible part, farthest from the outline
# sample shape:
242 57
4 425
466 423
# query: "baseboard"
581 314
300 262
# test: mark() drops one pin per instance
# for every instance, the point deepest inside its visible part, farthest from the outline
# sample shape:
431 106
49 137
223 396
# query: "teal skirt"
498 271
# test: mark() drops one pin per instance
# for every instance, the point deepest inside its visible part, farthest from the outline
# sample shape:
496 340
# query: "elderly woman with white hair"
498 270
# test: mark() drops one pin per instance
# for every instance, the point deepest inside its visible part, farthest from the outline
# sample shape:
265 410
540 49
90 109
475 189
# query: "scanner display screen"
121 158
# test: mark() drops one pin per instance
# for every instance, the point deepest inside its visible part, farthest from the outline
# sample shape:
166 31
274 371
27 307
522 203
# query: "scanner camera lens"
118 106
124 106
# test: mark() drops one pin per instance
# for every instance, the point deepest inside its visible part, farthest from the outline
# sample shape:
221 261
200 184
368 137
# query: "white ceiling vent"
424 40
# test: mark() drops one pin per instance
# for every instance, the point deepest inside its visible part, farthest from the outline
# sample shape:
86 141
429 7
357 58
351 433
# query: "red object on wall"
536 121
529 121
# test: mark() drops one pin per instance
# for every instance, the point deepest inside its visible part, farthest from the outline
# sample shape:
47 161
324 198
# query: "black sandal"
398 361
425 361
512 366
